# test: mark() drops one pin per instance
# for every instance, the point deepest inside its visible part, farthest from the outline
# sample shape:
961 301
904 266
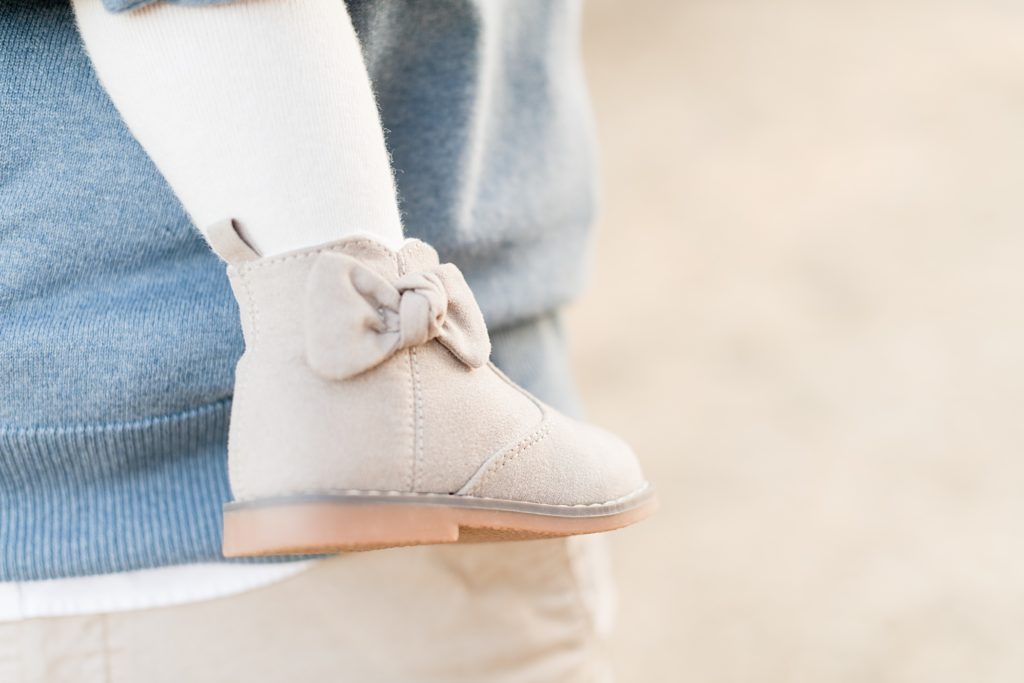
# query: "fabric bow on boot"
366 414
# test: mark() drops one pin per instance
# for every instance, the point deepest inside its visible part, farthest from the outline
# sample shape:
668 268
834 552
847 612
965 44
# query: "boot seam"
253 308
498 462
388 493
410 412
417 388
284 258
415 465
508 452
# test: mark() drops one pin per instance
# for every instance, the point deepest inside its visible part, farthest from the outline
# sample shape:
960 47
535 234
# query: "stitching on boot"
417 420
275 260
253 309
510 455
410 406
417 399
384 493
400 263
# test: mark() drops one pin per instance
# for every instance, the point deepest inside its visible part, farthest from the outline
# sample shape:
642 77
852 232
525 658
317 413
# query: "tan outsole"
356 522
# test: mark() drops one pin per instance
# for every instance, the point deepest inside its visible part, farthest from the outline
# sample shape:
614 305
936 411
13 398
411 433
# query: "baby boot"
366 414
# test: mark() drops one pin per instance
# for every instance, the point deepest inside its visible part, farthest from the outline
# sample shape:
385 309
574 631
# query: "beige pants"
523 612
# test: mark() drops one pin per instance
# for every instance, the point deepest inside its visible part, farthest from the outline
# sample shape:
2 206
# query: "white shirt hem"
142 589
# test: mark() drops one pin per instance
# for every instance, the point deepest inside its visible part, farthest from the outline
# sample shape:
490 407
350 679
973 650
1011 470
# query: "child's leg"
369 417
259 111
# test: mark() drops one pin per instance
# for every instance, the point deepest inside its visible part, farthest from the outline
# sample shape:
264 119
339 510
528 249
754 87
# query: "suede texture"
419 418
452 446
561 462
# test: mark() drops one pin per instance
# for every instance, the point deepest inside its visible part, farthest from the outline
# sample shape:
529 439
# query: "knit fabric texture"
118 331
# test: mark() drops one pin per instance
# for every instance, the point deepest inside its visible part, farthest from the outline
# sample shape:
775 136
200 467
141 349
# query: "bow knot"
422 308
355 319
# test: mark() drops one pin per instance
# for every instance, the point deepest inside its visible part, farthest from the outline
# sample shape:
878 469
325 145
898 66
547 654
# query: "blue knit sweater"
118 332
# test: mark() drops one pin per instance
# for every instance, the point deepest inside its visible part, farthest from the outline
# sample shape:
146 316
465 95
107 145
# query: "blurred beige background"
807 313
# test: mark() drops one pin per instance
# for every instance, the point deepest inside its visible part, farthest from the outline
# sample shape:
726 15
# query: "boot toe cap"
564 462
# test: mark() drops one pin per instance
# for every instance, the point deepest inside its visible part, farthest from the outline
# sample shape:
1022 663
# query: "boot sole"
370 521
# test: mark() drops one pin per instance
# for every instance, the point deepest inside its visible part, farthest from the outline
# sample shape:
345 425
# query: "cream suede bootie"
366 414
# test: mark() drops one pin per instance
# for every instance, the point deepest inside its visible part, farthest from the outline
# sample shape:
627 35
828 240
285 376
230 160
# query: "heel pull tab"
226 239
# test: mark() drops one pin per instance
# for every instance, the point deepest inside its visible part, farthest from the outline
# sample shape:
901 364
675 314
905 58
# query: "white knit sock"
260 111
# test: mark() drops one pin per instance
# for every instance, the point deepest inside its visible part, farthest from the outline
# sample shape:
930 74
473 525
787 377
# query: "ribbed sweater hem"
92 499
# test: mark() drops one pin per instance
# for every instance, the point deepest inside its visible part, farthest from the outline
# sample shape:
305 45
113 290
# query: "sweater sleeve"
125 5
